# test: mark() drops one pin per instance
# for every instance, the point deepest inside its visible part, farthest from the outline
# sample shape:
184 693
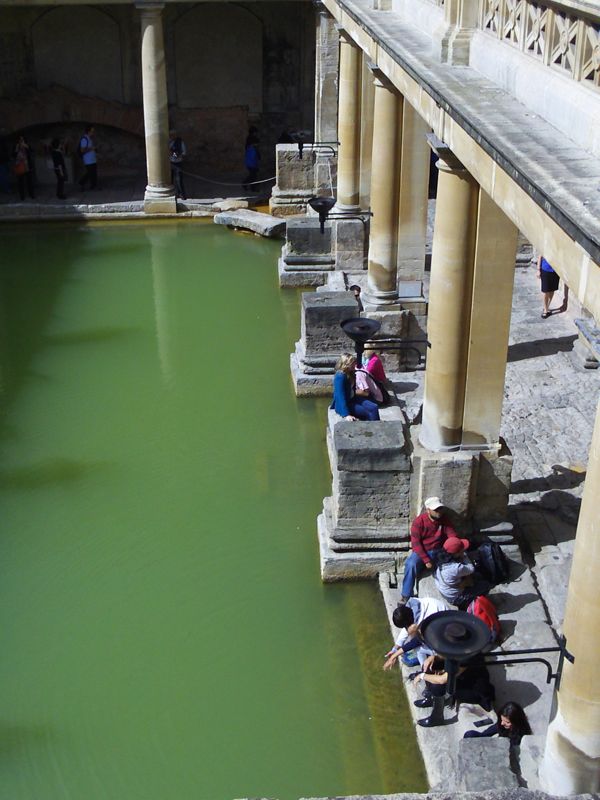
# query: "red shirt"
427 534
375 367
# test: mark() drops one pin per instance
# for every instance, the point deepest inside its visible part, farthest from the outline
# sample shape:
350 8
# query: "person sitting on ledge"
428 533
374 367
473 683
367 387
455 575
512 723
345 402
408 618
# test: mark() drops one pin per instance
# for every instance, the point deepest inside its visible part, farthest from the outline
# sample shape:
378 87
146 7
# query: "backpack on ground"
385 395
492 563
483 608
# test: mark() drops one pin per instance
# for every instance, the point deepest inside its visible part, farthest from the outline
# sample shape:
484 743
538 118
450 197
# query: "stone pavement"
548 416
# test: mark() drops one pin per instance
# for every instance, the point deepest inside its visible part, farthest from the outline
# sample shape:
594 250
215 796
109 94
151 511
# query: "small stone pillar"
159 197
452 40
349 125
385 176
449 303
571 763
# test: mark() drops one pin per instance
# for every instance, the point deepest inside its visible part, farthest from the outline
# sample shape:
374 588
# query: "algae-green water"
164 630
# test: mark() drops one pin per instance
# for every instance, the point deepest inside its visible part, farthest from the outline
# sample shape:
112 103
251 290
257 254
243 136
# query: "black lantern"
322 205
360 329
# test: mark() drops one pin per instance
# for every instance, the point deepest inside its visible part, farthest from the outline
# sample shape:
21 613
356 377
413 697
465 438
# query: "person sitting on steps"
428 533
473 684
455 575
408 618
512 723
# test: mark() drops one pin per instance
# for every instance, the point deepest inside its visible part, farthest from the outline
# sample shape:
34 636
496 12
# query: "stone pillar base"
475 484
156 202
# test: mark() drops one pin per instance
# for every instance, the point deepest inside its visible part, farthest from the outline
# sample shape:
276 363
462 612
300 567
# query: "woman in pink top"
375 368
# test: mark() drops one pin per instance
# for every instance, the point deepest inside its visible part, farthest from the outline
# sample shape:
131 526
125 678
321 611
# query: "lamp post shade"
360 330
455 635
322 205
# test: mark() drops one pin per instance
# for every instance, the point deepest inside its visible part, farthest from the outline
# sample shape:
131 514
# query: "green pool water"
164 630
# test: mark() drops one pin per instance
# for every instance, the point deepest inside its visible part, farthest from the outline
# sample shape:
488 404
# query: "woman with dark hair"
60 170
512 724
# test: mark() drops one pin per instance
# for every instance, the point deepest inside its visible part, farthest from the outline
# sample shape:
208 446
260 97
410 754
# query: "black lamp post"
322 205
457 636
359 329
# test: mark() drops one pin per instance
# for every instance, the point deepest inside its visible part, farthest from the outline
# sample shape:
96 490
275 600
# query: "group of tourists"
463 577
21 160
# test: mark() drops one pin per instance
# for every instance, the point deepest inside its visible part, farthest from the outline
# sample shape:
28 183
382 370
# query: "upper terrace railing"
564 37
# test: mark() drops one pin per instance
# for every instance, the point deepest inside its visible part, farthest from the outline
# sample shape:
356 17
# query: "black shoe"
437 714
424 702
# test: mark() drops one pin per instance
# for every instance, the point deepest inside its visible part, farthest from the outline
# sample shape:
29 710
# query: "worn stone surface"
255 221
362 446
232 204
484 765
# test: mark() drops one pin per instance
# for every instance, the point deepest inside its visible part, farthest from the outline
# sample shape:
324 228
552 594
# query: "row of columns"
472 273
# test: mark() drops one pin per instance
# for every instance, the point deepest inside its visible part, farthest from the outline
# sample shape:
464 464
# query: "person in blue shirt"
345 401
550 281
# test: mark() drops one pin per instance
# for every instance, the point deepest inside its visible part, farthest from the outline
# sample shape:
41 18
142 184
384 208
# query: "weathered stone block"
361 446
484 764
321 333
350 240
304 237
262 224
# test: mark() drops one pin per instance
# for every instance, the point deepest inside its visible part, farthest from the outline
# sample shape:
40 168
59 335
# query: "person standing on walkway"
87 150
177 154
428 533
550 280
60 170
23 167
252 160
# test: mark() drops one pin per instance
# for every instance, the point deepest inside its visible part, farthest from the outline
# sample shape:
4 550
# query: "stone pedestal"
322 341
159 197
309 256
475 485
364 525
295 183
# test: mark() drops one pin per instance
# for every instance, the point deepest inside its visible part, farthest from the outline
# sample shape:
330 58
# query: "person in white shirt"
408 617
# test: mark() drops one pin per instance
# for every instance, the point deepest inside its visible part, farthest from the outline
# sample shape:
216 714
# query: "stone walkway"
549 410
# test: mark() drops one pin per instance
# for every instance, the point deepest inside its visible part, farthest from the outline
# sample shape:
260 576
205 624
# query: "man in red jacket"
428 533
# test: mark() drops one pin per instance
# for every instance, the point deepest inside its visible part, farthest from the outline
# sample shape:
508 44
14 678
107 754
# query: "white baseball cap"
433 503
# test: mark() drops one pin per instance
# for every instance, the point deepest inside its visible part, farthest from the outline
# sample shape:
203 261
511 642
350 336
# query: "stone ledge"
255 221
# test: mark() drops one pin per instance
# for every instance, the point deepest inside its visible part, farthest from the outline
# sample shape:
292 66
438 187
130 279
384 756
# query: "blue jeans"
412 567
364 409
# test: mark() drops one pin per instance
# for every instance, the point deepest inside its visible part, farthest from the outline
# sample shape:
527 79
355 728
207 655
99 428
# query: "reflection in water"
50 472
161 250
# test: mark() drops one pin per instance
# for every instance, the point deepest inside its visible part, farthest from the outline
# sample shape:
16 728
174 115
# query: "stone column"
385 177
449 303
571 763
326 77
414 189
493 278
349 125
366 132
159 197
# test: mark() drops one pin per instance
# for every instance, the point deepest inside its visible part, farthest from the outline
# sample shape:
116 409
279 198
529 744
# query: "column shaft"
159 191
385 177
366 132
493 279
414 188
349 126
449 308
326 78
572 760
